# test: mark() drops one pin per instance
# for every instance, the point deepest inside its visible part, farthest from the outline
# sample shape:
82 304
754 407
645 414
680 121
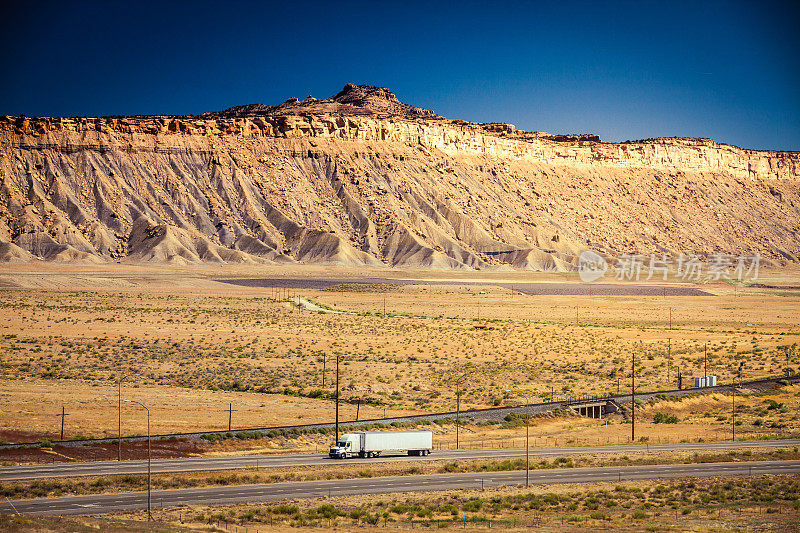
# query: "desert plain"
202 353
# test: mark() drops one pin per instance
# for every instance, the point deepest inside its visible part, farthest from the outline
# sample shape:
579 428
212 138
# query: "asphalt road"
197 464
109 503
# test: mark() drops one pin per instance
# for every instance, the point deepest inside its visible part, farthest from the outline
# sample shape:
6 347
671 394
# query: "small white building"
707 381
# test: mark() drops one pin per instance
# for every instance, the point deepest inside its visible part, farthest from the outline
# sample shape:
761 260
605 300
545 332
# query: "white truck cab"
349 445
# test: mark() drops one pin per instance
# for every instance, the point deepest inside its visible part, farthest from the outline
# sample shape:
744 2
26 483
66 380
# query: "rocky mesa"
361 179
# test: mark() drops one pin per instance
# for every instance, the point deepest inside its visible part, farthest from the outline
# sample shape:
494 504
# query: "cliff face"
361 179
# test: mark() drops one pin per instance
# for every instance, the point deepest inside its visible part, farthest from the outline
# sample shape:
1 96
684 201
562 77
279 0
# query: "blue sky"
624 70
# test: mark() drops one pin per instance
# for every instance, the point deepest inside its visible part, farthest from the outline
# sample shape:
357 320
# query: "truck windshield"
342 444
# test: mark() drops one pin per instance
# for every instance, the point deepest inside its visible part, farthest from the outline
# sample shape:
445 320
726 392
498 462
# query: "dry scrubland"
712 504
760 414
196 346
703 504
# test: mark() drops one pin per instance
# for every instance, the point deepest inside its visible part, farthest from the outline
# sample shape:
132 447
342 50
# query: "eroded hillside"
361 179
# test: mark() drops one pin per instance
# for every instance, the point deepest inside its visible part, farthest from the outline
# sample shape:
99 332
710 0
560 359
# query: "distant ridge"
363 180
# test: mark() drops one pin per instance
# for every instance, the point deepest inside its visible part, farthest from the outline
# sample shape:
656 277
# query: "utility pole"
149 515
527 440
119 420
733 418
62 415
384 306
458 402
458 407
733 411
669 356
633 396
705 364
527 435
230 415
323 370
119 416
788 368
337 397
680 379
358 408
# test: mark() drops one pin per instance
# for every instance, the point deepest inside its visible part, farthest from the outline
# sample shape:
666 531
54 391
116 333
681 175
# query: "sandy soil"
197 345
33 407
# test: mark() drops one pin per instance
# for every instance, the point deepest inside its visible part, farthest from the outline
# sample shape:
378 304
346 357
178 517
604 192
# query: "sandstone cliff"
361 179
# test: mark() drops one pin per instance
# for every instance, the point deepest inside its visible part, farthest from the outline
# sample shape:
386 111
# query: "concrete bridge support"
594 410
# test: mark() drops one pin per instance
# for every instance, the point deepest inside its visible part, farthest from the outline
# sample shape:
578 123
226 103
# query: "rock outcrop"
361 179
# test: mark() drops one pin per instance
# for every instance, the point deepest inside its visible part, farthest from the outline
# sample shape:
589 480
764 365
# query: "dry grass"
92 408
706 504
198 345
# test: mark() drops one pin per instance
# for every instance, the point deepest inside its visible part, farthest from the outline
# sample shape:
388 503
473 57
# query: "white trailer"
373 443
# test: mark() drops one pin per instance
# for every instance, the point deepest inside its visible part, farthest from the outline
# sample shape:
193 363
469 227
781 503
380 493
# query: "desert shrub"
473 505
772 404
450 467
661 418
328 511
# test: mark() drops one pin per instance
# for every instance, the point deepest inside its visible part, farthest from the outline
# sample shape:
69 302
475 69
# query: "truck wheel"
369 455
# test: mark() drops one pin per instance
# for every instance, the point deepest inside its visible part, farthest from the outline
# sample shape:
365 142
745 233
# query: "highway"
198 464
109 503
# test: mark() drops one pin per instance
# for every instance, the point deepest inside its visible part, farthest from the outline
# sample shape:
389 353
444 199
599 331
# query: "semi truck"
374 443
